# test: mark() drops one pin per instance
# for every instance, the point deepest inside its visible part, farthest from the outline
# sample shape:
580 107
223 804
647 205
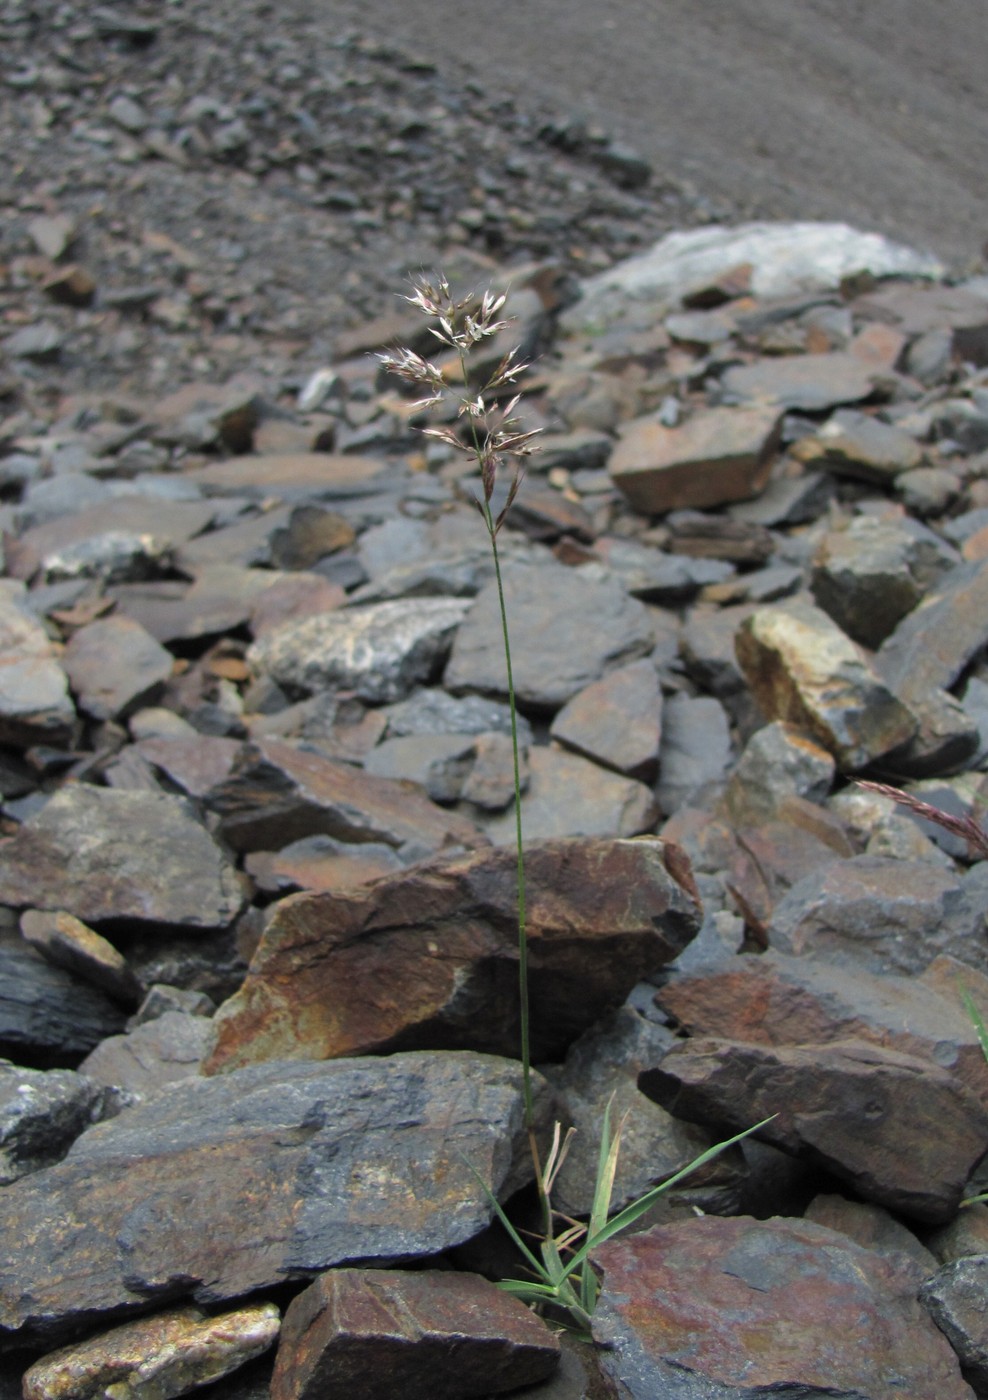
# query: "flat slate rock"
901 1131
932 644
567 795
351 1160
554 653
277 793
810 383
381 1333
96 853
47 1015
429 957
114 666
616 721
743 1309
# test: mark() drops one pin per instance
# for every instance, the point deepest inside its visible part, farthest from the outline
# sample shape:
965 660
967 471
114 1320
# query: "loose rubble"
258 974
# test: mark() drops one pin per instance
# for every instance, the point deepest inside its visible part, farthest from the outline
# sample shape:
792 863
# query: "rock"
433 711
94 853
746 1308
380 651
696 749
66 942
114 667
616 721
719 537
776 999
439 763
861 1111
665 579
160 1357
882 914
566 795
194 763
48 1016
320 863
52 234
785 259
293 476
41 1114
859 446
158 1052
779 761
718 455
804 670
810 383
553 656
955 1299
869 576
35 705
352 1160
42 341
381 1332
870 1226
278 793
931 645
600 914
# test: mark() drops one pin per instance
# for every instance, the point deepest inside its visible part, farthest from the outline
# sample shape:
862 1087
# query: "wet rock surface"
256 788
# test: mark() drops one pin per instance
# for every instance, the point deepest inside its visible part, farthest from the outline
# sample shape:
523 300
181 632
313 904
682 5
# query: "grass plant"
486 429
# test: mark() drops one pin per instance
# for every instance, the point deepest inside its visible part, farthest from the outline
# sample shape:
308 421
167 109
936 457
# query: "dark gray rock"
553 654
47 1016
41 1115
955 1297
351 1160
35 706
696 748
157 1052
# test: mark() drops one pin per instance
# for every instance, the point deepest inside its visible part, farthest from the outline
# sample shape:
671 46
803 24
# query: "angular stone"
746 1309
320 863
437 712
775 999
35 705
870 575
66 942
718 455
955 1298
779 761
666 579
566 795
47 1016
161 1357
245 544
490 783
95 853
882 914
803 669
871 1226
932 645
195 764
553 652
439 763
160 1051
810 383
220 600
353 1160
616 721
696 748
293 476
708 647
311 534
705 536
857 445
278 793
114 667
902 1132
381 1333
41 1115
380 651
127 538
293 597
429 957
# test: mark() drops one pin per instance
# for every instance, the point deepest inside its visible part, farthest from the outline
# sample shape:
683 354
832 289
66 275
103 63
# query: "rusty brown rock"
67 942
381 1333
904 1133
780 1000
721 454
429 957
748 1309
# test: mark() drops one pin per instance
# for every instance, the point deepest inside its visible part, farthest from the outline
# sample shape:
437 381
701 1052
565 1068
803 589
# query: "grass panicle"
562 1275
